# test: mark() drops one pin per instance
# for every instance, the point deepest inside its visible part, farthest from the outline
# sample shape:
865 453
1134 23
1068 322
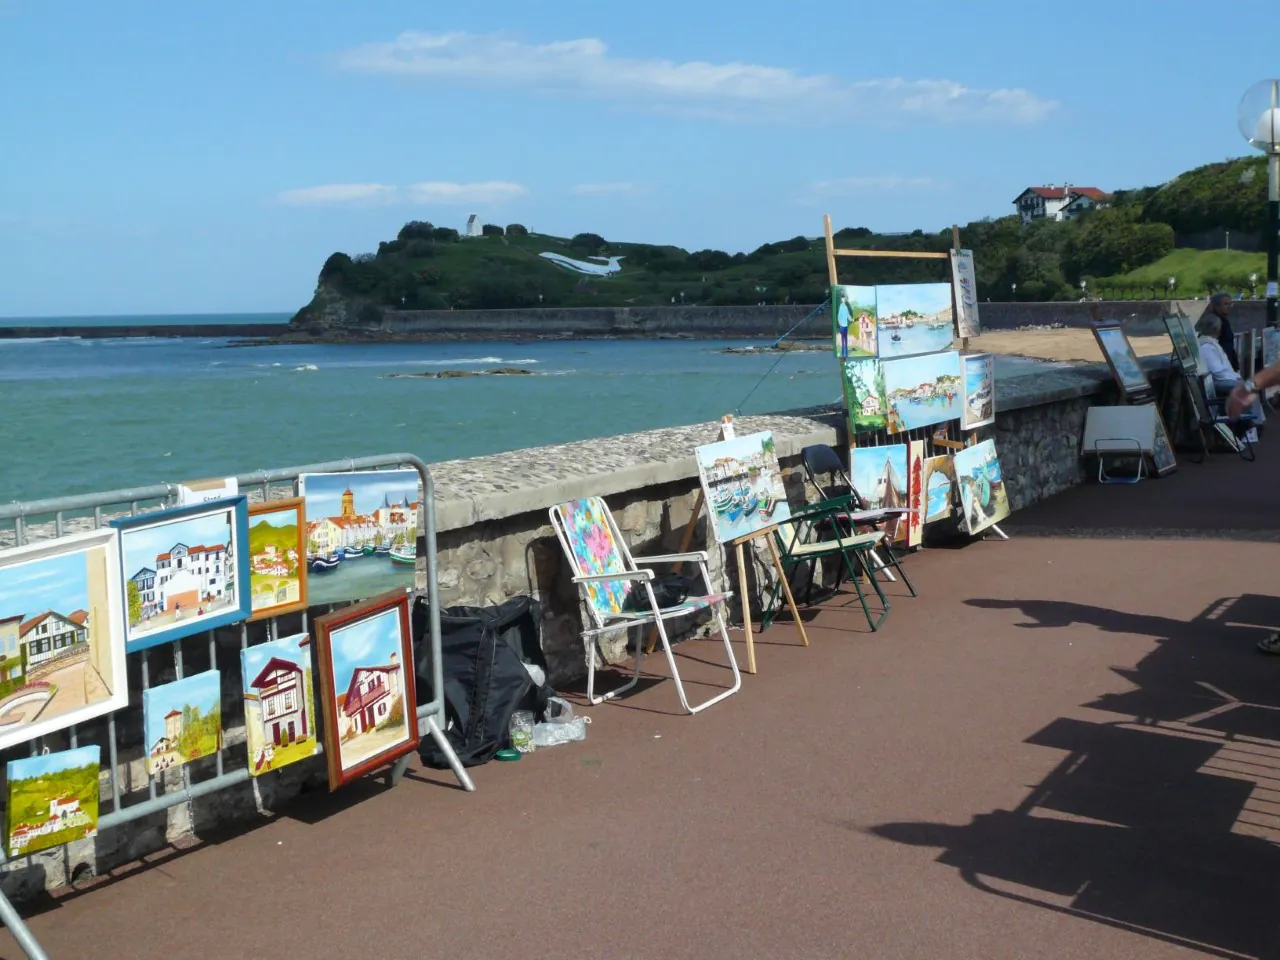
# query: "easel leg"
746 607
786 589
686 538
998 532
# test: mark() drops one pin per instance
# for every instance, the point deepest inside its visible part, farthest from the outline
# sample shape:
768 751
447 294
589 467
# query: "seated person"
1216 364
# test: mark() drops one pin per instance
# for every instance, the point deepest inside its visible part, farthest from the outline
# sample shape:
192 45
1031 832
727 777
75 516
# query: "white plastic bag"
561 725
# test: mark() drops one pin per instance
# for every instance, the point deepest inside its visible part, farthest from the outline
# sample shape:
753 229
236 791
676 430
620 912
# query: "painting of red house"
279 705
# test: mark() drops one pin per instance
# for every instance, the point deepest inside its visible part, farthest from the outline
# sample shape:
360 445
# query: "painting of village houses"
279 706
864 393
365 659
979 407
52 800
922 391
277 553
185 570
361 533
182 720
853 320
913 318
62 658
982 493
742 484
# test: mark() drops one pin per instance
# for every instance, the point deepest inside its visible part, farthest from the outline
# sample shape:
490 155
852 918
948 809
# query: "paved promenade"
1065 748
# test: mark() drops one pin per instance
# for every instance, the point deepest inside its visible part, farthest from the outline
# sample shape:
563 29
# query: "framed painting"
1123 362
280 721
964 287
277 558
922 391
742 485
864 397
62 651
913 318
939 482
1185 347
185 570
182 721
983 499
880 476
911 527
52 800
361 534
853 321
978 372
1161 449
367 695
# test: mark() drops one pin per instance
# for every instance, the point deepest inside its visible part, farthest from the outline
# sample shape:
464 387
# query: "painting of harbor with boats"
979 407
982 493
913 318
922 391
361 532
742 484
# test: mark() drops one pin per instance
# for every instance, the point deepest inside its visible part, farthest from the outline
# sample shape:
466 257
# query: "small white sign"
206 491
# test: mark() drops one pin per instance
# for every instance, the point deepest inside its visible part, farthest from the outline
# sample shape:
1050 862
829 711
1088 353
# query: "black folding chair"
1211 412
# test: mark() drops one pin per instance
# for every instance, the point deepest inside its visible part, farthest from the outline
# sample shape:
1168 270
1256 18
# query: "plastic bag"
561 725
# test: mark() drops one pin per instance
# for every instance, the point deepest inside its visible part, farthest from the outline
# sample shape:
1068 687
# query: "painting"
182 721
911 527
52 800
964 287
279 704
939 482
62 658
922 391
1162 450
913 318
277 558
367 694
983 500
853 321
979 373
185 570
864 393
879 474
362 533
1185 347
1120 357
742 484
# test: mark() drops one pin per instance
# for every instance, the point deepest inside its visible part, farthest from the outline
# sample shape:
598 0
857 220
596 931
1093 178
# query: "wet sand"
1069 344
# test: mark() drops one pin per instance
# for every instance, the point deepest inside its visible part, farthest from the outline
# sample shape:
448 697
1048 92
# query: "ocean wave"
305 366
471 360
26 340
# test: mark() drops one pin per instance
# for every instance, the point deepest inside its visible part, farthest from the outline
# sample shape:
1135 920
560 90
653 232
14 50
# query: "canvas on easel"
964 285
1122 361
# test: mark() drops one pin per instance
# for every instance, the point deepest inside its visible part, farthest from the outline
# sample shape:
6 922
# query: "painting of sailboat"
913 318
879 475
742 484
922 391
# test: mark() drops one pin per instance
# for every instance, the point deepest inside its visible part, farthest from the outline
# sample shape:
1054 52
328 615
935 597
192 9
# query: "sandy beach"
1068 344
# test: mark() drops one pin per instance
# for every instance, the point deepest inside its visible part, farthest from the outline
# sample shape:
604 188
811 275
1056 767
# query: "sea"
83 415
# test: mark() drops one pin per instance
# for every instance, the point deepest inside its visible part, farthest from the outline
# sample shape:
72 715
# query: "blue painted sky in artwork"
254 658
46 763
324 491
369 643
141 547
203 690
868 466
55 583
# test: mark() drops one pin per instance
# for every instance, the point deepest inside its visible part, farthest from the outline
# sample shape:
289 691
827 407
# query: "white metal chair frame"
613 621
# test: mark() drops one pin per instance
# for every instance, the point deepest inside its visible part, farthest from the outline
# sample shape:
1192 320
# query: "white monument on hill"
473 226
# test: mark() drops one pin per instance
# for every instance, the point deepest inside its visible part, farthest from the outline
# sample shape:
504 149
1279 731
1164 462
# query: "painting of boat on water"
879 474
913 318
922 391
853 321
742 484
939 482
979 390
864 393
983 498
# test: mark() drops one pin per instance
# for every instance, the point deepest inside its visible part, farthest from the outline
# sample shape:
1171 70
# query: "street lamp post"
1259 117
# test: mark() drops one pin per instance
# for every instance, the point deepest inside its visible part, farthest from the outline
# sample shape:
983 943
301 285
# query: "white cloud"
603 189
381 194
585 67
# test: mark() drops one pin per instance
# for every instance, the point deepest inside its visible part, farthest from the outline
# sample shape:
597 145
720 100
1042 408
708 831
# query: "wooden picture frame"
367 648
1185 346
1121 360
273 573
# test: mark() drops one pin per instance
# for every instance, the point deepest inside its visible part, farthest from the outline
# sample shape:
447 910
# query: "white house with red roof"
51 634
185 577
282 702
64 812
372 695
1058 202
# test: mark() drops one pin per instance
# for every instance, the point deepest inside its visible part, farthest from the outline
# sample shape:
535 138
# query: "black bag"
483 650
670 590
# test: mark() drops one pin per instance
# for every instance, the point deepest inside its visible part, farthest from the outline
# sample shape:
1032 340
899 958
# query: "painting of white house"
62 657
361 532
923 390
742 484
368 670
52 799
182 720
280 719
913 318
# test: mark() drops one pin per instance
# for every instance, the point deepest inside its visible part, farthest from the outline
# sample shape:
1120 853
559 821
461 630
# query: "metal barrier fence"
91 511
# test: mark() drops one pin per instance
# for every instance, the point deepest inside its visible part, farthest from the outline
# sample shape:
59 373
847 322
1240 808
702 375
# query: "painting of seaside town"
185 571
982 495
182 721
277 555
742 484
864 393
913 318
853 320
1120 356
964 285
922 391
362 531
52 800
879 474
939 482
279 706
979 390
62 658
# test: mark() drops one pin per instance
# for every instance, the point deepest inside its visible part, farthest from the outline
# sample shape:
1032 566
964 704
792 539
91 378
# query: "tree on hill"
491 230
517 230
417 230
591 243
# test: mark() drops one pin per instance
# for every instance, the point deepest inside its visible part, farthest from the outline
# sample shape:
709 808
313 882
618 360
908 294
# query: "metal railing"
53 517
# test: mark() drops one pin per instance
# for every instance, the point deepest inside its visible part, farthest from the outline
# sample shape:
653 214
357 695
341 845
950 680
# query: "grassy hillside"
263 535
1197 272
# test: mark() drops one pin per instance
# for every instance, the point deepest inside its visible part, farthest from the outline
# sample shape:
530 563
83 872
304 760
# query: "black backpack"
483 650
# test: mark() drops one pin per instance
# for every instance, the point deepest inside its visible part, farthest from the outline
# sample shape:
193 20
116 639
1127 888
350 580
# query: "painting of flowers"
595 551
52 800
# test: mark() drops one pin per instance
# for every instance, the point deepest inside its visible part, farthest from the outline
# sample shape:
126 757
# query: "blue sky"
203 690
46 763
55 583
207 156
369 643
142 546
254 658
324 491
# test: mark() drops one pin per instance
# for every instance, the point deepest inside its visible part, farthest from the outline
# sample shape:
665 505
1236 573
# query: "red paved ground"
1065 748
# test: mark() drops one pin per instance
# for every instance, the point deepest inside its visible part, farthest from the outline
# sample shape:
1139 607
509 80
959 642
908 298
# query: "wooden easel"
686 538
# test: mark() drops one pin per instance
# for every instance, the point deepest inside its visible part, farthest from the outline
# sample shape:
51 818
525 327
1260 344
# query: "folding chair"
607 574
1211 413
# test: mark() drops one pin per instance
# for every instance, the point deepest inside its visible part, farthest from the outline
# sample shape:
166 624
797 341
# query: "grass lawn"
1196 271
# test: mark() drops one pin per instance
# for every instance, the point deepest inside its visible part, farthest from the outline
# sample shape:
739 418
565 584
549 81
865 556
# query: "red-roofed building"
371 695
1058 202
49 635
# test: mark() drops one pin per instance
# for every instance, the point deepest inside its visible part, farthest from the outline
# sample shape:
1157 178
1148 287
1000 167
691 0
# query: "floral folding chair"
607 574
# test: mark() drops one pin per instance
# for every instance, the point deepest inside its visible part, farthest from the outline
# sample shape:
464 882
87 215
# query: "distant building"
1057 203
473 226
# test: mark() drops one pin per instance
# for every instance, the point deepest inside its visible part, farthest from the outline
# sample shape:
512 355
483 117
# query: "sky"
142 546
202 690
369 643
206 157
57 583
323 491
46 763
